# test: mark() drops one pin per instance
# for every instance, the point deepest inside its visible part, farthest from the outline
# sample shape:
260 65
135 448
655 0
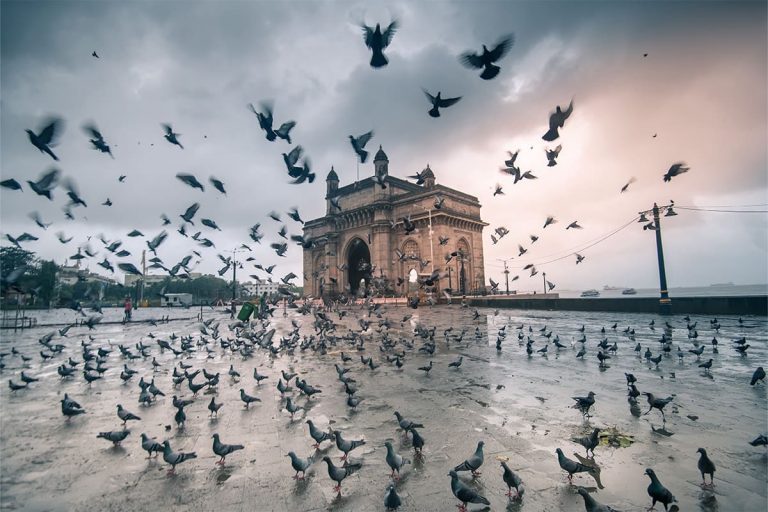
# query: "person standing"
128 309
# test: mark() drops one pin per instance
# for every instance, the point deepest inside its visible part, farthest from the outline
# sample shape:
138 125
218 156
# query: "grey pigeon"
758 375
394 460
47 136
406 424
675 170
339 474
377 40
358 144
474 462
706 467
557 120
591 504
190 180
658 492
437 102
512 480
464 493
318 435
173 458
299 465
115 436
247 399
589 442
68 410
391 499
486 59
346 446
170 136
150 445
125 415
571 466
222 450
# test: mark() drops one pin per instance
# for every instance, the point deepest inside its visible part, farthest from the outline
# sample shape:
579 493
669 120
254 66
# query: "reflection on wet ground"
520 405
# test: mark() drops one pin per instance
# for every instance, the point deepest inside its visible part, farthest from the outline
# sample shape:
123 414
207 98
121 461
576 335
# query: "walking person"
127 309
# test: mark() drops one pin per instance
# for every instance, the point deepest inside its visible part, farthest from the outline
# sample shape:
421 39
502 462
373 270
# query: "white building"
257 288
176 299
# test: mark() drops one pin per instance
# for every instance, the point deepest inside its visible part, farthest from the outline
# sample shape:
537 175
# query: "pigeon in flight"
47 137
46 183
377 41
512 157
190 180
188 214
552 154
10 184
265 120
550 220
438 102
95 55
626 186
358 144
574 225
217 184
170 136
556 121
579 258
676 170
488 57
284 132
98 140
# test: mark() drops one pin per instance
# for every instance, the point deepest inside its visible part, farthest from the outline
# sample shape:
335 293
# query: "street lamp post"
506 273
431 247
665 303
544 276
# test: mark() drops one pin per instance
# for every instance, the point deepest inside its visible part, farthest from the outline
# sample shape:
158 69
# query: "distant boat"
608 288
629 291
590 293
722 284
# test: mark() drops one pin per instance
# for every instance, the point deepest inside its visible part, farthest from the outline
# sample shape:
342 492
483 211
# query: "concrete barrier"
730 305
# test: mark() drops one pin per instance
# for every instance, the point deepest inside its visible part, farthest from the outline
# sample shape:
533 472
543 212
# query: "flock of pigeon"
328 343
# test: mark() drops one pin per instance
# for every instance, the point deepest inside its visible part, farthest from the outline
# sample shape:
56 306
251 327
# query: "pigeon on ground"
247 399
150 445
761 440
391 499
571 466
457 363
759 375
173 458
657 403
347 446
125 415
512 479
299 465
706 467
591 504
115 436
68 410
377 41
584 403
339 474
589 442
214 407
658 492
485 60
464 493
474 462
318 435
406 424
222 450
394 460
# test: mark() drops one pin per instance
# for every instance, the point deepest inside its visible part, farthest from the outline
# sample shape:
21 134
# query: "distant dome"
380 156
427 173
332 176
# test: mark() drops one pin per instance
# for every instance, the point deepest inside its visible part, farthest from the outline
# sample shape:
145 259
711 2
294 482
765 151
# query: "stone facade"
364 227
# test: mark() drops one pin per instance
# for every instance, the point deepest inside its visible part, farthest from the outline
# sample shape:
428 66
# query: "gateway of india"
366 237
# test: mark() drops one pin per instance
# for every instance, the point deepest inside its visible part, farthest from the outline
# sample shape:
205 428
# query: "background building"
369 228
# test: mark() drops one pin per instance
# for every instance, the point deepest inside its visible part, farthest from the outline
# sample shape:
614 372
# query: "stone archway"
358 264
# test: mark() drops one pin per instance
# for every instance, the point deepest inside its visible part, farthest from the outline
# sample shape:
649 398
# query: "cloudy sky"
701 91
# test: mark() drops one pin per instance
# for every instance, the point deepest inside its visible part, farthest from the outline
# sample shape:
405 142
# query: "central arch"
358 264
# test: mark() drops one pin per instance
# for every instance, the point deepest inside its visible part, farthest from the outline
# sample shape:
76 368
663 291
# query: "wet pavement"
520 406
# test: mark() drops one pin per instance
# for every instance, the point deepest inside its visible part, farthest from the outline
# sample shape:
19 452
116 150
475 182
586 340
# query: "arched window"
463 247
413 276
411 249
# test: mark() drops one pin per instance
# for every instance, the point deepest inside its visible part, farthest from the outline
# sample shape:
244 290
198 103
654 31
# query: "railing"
21 322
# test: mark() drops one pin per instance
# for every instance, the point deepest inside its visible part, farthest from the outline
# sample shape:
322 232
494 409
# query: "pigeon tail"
363 156
490 71
434 112
378 60
551 135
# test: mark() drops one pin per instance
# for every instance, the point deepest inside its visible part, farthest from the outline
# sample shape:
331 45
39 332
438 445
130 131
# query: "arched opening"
358 265
463 264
